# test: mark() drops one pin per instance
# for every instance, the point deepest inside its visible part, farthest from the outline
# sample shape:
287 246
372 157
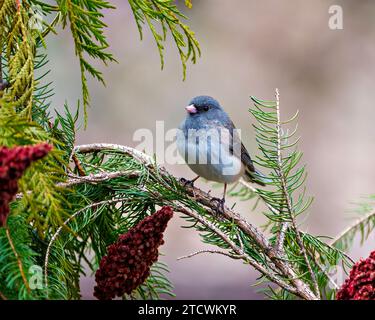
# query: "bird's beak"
191 109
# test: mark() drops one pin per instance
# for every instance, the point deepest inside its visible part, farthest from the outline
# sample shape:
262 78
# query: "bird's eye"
206 108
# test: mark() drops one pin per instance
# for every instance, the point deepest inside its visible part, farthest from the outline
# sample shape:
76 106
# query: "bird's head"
203 105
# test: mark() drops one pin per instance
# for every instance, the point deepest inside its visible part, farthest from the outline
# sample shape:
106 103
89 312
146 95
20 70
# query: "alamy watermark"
214 146
336 17
36 277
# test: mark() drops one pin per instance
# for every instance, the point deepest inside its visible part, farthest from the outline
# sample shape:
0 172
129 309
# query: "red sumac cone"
361 282
13 163
128 262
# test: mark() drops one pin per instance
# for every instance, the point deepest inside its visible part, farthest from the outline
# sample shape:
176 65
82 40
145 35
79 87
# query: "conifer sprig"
18 48
364 225
281 157
87 27
169 17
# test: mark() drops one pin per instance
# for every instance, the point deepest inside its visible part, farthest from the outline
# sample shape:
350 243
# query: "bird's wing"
245 158
235 139
251 173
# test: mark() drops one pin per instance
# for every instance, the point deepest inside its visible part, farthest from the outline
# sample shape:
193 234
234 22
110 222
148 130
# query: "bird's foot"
219 208
187 183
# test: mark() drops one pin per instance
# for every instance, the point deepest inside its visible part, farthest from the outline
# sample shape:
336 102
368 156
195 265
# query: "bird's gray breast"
205 146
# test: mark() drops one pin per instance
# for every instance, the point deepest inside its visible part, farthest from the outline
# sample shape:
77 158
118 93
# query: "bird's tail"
257 177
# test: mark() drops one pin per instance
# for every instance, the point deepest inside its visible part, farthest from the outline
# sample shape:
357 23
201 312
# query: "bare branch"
138 155
233 256
96 178
91 179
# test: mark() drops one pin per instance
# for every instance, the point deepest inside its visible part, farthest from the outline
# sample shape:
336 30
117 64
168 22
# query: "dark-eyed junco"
211 146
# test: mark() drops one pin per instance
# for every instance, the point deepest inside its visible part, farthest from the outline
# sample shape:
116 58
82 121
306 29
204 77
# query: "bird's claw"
219 209
187 183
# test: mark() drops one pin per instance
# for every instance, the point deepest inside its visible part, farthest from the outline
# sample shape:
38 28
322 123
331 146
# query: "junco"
211 146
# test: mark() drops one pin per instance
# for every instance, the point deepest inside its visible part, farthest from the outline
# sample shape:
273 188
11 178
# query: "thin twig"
2 297
238 250
300 289
96 178
138 155
352 227
280 173
78 165
19 262
281 237
91 179
240 241
283 225
230 255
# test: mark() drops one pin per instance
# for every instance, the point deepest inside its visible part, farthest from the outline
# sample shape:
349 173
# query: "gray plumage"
233 161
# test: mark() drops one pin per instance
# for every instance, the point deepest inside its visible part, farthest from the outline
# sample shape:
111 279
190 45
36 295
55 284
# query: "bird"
211 146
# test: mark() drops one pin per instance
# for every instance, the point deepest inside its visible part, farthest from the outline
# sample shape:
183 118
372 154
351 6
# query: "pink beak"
191 109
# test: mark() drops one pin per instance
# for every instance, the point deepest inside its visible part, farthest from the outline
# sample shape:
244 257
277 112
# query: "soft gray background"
248 48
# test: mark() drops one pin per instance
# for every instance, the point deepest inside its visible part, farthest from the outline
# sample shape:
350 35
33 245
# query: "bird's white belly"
212 163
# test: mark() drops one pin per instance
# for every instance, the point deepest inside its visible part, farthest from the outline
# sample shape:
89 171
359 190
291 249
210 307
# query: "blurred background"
248 48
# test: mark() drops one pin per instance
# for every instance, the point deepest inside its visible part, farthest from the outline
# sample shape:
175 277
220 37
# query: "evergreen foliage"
363 225
167 14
